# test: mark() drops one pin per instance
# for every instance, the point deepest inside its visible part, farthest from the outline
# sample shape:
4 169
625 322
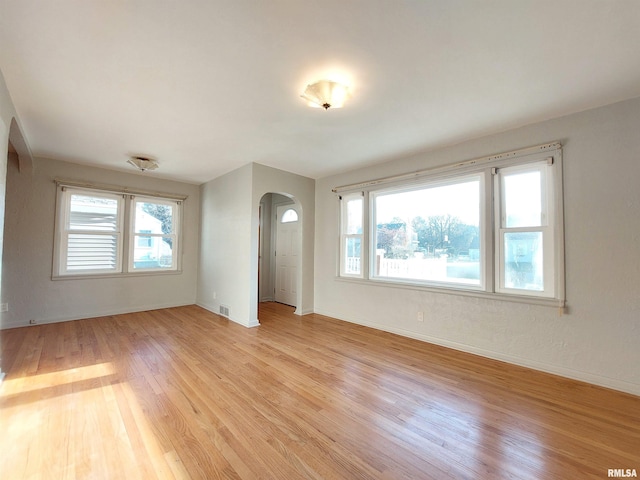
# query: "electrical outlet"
4 307
420 316
32 322
215 295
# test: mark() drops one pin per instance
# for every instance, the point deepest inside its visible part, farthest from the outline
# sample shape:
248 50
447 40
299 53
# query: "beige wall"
598 339
28 253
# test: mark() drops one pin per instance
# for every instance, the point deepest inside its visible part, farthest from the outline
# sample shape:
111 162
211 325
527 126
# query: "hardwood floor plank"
183 393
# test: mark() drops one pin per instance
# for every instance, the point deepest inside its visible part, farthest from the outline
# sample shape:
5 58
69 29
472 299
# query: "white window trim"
126 237
62 234
551 153
62 182
547 227
344 200
175 237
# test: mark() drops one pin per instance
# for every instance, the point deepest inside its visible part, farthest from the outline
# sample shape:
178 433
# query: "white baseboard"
215 309
95 314
587 377
305 311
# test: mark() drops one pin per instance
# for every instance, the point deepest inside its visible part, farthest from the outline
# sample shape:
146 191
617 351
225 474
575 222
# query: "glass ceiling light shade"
326 94
143 163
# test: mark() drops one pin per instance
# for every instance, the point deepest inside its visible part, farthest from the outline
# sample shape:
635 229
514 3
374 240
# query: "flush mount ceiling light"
326 94
143 163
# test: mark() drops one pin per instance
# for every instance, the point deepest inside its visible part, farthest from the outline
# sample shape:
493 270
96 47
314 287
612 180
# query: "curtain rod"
61 182
546 147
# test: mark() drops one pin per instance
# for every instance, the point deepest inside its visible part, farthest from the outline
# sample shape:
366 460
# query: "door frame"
272 238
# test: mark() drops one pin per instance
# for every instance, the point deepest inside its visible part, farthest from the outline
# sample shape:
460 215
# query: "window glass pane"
289 216
152 252
430 234
91 252
93 213
352 255
153 217
155 250
523 200
523 261
354 216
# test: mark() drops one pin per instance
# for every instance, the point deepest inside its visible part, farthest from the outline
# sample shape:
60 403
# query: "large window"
489 226
100 232
429 233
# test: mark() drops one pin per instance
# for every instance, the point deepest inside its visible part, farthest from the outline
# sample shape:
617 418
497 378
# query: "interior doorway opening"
279 247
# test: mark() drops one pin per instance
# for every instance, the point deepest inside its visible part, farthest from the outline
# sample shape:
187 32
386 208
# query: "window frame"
126 234
345 237
546 228
491 198
63 233
133 234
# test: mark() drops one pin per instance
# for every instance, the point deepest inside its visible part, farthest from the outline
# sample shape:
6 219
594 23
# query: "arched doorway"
279 246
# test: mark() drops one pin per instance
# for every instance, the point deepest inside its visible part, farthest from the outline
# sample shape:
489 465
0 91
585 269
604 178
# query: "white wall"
7 113
28 254
598 339
265 288
229 239
4 141
225 245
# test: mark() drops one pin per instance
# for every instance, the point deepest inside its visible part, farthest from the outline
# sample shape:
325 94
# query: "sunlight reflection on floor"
104 424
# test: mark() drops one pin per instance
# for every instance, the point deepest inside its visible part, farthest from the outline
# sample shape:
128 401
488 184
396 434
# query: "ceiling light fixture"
326 94
143 163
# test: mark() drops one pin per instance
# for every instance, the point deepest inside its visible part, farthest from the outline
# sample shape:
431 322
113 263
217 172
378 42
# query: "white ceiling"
207 86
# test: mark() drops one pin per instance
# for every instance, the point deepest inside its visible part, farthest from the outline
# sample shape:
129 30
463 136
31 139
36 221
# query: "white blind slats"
92 221
92 233
92 252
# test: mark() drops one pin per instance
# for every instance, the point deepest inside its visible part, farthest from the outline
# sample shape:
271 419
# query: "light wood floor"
183 393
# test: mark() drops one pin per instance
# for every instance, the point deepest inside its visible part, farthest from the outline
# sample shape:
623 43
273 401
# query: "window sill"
115 275
547 302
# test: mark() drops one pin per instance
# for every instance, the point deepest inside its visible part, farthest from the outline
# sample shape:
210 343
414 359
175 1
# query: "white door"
287 254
